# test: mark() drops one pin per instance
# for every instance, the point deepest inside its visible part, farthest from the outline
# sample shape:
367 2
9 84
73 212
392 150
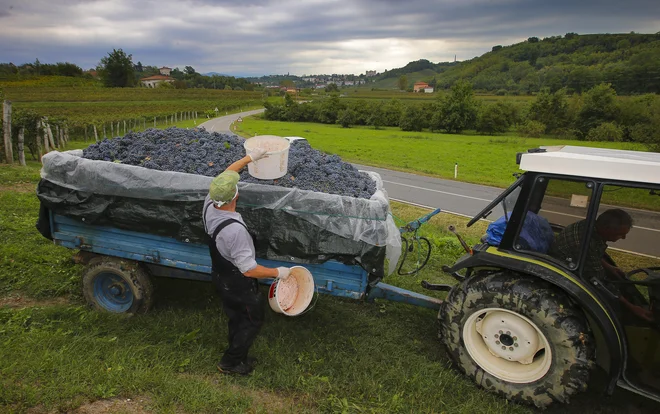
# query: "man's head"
224 188
614 224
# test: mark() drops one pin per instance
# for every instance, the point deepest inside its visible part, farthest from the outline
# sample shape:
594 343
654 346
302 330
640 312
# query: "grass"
57 355
487 160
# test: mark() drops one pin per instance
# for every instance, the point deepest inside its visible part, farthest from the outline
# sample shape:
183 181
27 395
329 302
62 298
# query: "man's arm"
261 272
639 311
613 270
256 154
238 165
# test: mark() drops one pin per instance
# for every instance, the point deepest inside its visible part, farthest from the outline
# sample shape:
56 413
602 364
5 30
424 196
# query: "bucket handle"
309 308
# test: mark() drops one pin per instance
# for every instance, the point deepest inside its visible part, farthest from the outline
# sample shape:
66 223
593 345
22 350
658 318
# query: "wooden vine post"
96 136
21 150
49 132
6 123
38 138
42 127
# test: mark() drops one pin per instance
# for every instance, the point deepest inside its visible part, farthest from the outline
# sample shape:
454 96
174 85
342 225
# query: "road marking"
433 208
438 191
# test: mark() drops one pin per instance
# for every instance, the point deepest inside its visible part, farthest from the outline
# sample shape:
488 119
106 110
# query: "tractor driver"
234 268
611 226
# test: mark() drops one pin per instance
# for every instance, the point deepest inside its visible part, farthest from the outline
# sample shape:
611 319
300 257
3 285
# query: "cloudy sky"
257 37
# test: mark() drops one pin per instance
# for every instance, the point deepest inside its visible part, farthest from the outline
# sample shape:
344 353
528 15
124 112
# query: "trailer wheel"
518 336
116 285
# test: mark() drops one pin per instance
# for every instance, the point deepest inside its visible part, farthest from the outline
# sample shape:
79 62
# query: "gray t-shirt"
233 242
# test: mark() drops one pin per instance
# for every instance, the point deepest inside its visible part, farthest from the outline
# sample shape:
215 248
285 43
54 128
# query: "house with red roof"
154 81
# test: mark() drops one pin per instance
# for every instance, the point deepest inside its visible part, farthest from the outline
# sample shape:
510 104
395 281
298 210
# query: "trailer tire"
116 285
492 317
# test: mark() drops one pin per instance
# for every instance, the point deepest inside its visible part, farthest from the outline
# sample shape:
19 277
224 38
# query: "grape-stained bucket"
275 165
293 295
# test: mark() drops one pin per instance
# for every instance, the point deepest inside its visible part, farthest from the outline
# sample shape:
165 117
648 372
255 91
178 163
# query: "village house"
154 81
420 86
165 71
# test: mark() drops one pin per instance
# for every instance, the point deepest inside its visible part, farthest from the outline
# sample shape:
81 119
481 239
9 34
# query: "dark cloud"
268 36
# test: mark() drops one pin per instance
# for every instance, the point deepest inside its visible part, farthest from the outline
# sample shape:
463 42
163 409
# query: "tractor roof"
635 166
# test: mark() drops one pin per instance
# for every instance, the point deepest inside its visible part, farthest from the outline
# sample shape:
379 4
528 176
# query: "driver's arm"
639 311
613 270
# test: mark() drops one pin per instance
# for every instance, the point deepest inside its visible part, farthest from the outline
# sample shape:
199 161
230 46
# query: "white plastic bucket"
293 295
275 165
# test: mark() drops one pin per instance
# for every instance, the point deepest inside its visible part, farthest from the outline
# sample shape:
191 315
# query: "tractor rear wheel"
518 336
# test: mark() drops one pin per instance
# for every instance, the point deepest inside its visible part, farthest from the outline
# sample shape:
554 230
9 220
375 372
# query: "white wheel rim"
507 345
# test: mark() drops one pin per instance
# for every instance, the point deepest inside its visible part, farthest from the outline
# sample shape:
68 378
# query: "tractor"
534 325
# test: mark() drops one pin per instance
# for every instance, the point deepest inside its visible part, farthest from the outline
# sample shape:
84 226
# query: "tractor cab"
586 222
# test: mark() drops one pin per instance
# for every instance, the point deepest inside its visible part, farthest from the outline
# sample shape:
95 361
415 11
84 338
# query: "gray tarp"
360 220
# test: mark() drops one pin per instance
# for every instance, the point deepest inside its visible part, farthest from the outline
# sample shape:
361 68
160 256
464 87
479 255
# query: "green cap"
224 187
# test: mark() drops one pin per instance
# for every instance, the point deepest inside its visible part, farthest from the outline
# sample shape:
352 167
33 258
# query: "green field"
345 356
488 160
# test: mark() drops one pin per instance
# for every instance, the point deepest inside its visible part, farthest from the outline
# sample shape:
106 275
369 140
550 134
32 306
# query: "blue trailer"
119 264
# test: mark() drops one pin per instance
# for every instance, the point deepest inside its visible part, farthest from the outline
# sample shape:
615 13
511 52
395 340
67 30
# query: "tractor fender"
607 331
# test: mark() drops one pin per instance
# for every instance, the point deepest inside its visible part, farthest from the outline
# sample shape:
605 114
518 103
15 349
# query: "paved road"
469 199
223 123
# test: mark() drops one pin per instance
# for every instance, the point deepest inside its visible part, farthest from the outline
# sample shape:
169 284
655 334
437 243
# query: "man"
611 226
234 268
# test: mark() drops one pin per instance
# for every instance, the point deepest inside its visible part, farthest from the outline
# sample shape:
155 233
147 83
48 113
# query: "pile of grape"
196 151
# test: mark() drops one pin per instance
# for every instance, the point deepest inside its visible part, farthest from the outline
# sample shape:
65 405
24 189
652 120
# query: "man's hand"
283 273
643 313
257 154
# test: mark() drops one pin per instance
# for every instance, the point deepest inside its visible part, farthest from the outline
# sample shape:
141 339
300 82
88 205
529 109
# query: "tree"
345 118
599 106
412 119
494 118
116 70
329 110
607 131
550 109
289 101
332 87
375 118
459 108
403 82
177 74
188 70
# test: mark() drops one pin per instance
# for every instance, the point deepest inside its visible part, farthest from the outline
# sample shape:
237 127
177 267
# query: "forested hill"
630 62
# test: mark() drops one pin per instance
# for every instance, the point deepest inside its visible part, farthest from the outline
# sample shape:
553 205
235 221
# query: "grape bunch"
196 151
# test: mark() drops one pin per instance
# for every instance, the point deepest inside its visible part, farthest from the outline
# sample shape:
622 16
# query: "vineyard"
92 105
83 109
82 102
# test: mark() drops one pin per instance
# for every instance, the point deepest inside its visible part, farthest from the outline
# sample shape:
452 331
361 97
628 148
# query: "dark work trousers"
241 301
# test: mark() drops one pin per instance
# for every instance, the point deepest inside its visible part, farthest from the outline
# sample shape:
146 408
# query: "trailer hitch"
433 286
